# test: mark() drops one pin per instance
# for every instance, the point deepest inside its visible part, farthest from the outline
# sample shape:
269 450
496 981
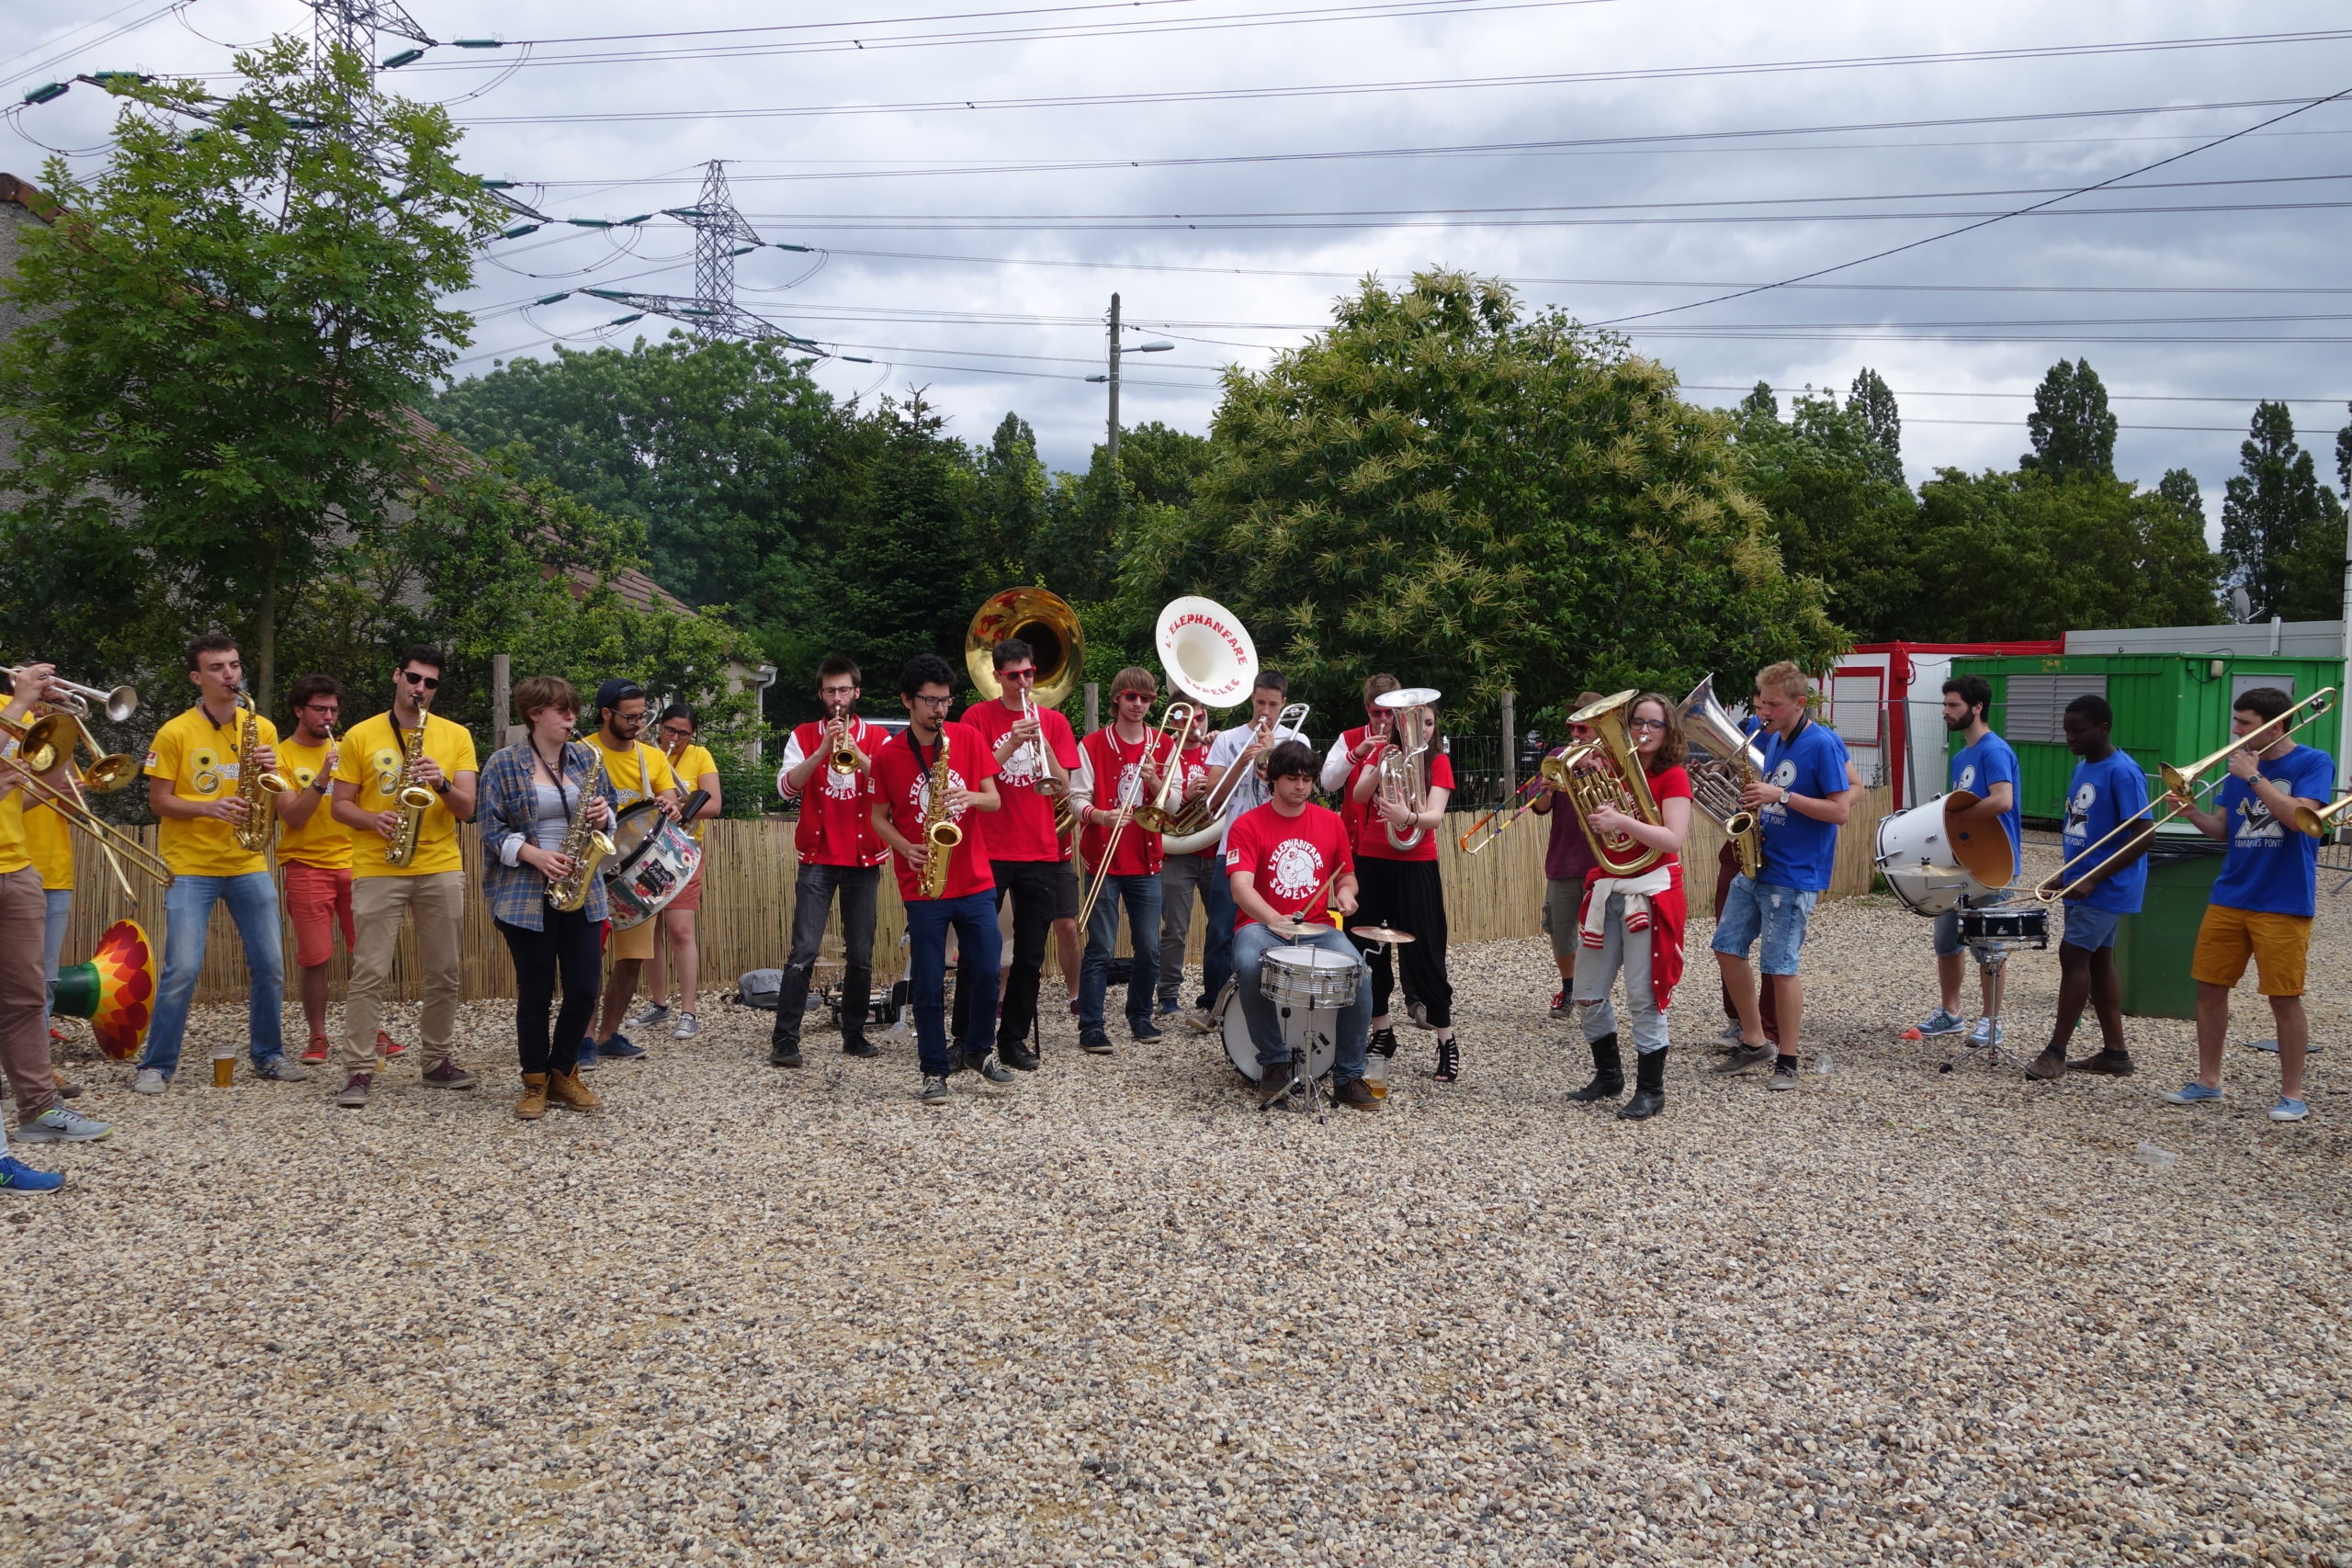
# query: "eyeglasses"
1645 724
936 702
430 683
677 732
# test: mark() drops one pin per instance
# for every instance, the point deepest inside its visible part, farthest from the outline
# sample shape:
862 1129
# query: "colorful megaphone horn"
115 990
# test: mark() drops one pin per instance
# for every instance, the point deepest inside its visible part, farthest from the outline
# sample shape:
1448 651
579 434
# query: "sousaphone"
115 990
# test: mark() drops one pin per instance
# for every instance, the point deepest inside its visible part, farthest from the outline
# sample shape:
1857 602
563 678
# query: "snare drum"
1317 1050
2028 928
1933 866
1302 978
653 859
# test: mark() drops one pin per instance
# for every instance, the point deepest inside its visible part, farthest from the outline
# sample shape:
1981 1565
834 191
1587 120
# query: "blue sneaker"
620 1048
2289 1109
16 1176
1940 1022
2192 1093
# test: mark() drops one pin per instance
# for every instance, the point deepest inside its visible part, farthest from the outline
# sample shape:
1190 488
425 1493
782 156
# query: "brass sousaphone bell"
1046 622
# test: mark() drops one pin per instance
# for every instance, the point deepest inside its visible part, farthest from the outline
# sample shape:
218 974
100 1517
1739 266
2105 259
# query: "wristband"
441 787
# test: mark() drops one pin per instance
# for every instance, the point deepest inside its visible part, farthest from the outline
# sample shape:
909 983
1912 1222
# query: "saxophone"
940 833
413 798
253 784
585 847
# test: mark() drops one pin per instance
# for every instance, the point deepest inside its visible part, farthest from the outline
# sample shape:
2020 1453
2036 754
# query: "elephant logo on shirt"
2256 821
2078 809
1295 868
919 795
1967 779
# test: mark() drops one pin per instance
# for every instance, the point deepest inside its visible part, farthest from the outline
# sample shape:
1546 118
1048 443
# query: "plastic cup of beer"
224 1070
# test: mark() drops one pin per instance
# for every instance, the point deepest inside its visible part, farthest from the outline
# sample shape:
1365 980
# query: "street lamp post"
1111 445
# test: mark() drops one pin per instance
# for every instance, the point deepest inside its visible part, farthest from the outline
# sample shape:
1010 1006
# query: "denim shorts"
1948 942
2089 928
1760 909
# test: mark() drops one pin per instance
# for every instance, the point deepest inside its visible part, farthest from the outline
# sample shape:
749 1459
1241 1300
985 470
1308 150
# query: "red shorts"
690 896
316 901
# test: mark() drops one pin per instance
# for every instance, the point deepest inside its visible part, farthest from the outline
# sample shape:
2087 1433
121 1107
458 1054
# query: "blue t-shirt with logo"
2100 798
1799 851
2270 868
1978 768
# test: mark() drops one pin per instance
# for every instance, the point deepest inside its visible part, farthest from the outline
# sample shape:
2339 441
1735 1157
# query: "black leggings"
1406 895
573 945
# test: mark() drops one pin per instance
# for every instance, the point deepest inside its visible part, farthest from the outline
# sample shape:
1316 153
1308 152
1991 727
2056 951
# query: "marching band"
591 855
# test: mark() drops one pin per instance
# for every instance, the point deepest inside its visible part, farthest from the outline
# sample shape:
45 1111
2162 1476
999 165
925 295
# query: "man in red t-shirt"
1183 878
839 853
1121 767
904 806
1290 861
1035 753
1401 890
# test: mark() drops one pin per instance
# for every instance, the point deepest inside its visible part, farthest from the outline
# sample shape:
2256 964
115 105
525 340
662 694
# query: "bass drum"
1932 864
653 859
1235 1025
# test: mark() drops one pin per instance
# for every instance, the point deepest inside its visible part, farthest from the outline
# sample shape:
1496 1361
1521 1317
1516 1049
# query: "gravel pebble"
1119 1316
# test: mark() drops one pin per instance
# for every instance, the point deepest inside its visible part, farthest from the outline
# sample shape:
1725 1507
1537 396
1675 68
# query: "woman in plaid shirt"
530 793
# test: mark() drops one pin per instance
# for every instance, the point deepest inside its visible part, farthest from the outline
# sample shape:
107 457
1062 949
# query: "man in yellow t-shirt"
192 787
24 990
314 852
694 768
638 771
431 883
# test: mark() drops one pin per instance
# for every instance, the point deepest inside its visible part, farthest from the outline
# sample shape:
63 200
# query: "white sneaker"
649 1015
687 1028
59 1124
150 1080
1986 1033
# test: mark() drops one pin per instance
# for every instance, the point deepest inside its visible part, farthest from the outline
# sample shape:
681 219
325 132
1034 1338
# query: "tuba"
1042 620
1731 764
260 823
412 799
1404 775
585 847
1617 779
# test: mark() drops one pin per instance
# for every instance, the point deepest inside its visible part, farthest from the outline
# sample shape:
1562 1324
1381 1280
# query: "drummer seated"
1289 866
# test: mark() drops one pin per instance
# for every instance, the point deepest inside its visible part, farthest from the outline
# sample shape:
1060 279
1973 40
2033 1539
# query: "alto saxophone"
259 825
412 799
585 847
940 833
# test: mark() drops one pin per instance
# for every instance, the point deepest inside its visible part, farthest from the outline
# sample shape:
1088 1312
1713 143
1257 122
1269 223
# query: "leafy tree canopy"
2072 431
1839 508
2283 530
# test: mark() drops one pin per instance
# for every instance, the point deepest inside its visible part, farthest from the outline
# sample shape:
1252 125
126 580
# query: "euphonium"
585 847
260 823
1730 766
1404 773
1619 781
412 799
940 833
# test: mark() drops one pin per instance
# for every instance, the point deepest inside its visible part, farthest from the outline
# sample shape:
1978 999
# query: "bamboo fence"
747 903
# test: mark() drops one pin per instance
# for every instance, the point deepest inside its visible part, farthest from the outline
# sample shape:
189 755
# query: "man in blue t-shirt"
2104 875
1806 792
1986 768
2264 900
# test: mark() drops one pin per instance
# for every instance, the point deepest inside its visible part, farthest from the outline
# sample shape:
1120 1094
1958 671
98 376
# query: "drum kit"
653 859
1938 865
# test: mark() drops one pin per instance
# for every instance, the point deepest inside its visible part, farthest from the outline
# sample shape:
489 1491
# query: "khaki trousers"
23 994
378 903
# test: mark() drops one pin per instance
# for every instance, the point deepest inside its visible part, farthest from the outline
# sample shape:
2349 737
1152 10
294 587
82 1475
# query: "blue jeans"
1776 914
1141 896
982 951
57 916
1355 1021
1216 947
252 904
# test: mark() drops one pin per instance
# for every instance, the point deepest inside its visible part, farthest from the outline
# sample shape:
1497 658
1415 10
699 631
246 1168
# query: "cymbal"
1388 934
1292 930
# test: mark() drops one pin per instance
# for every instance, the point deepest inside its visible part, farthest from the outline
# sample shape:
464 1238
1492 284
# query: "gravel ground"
1119 1316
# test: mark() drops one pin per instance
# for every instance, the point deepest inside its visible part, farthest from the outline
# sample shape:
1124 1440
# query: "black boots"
1608 1072
1649 1086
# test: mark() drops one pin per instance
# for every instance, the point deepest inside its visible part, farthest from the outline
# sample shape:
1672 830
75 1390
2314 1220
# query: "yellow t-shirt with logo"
49 841
12 829
692 764
322 841
639 772
370 758
199 759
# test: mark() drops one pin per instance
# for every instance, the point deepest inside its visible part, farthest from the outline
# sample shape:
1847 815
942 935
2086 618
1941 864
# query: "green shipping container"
2169 708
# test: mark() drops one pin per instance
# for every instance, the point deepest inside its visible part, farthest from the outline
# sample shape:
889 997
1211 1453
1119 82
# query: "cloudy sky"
975 178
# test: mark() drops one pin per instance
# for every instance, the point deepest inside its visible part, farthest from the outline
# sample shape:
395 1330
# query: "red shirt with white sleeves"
836 809
1112 769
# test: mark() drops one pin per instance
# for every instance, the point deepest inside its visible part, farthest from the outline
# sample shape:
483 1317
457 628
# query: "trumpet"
2187 783
1051 787
77 700
841 755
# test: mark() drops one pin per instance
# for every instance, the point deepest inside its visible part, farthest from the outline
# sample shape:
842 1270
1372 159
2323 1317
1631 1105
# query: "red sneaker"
316 1051
389 1048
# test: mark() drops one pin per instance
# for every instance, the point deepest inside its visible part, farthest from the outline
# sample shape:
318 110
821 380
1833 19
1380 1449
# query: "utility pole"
721 235
1112 444
353 24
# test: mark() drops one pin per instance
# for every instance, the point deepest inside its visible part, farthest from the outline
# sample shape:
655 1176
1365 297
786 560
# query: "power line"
1548 79
128 28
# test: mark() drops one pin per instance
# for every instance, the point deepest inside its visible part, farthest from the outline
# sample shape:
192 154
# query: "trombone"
68 803
1553 769
2188 782
2320 823
1173 723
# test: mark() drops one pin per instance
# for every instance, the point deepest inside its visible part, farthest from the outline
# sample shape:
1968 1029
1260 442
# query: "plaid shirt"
506 808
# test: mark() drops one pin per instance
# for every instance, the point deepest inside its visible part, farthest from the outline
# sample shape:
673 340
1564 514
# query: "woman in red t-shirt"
1634 923
1402 890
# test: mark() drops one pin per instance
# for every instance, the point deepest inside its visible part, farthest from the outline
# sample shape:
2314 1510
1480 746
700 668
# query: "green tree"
1840 513
224 329
2281 529
2071 430
1871 400
1479 499
722 451
1010 511
2179 487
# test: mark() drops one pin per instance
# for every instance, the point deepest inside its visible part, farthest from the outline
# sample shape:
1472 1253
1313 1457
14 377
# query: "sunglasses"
430 683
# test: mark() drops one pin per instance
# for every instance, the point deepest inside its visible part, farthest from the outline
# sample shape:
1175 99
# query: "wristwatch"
441 787
1784 795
